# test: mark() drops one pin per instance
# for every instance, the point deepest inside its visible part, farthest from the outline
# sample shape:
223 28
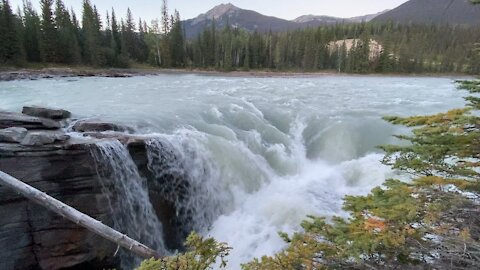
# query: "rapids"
260 154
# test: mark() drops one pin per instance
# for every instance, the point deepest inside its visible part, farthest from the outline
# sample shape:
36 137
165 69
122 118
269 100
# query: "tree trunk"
77 217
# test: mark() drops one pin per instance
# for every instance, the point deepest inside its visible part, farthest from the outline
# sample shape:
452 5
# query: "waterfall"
188 179
128 198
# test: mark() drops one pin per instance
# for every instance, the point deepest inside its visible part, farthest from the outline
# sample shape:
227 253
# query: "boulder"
97 126
37 138
9 119
13 134
49 113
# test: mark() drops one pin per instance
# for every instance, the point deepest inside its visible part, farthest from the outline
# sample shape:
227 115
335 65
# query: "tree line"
404 48
57 35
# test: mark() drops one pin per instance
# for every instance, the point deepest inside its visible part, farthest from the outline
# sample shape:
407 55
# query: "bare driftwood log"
77 217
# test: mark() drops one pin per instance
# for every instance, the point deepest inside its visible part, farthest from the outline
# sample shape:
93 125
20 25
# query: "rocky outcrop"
35 150
33 237
8 120
97 126
13 134
46 112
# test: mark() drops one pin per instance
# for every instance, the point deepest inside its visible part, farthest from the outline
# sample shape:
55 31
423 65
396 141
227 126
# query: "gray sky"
286 9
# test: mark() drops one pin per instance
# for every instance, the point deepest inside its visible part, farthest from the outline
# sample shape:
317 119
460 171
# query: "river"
262 152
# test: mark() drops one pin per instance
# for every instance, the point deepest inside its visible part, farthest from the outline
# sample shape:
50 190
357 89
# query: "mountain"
228 13
251 20
316 18
321 20
434 11
367 18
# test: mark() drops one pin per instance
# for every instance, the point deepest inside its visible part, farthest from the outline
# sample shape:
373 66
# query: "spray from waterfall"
128 198
188 179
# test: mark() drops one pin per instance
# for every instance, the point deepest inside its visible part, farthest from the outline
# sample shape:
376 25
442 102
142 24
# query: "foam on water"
280 204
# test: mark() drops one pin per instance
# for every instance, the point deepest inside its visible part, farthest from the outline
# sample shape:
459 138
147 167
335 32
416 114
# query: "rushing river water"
260 153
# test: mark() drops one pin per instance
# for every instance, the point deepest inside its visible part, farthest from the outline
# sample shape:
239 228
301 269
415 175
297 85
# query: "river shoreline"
10 74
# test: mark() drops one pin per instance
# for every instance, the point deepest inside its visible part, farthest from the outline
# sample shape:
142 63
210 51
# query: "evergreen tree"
128 35
68 47
176 39
227 48
10 50
116 36
91 24
165 50
32 33
49 36
142 49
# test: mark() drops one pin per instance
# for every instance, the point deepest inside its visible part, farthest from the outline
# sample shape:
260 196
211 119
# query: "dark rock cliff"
32 237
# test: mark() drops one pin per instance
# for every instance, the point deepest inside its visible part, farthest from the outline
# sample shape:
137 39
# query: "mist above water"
259 153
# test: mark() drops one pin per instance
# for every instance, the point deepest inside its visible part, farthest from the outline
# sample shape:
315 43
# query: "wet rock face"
31 237
34 151
13 134
97 126
8 120
174 234
49 113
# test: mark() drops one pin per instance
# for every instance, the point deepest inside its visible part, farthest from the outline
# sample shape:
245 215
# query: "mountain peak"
220 10
216 13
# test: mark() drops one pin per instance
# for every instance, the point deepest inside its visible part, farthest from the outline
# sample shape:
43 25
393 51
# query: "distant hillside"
251 20
313 20
367 18
434 11
247 19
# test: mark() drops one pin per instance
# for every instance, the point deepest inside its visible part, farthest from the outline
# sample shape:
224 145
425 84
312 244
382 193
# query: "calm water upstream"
263 152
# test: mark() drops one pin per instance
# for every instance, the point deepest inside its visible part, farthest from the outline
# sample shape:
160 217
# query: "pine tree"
49 36
142 49
68 47
10 50
91 25
176 39
32 33
165 17
116 37
228 48
129 36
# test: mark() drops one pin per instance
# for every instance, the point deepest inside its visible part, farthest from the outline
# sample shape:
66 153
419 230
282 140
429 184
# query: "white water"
128 198
260 153
188 178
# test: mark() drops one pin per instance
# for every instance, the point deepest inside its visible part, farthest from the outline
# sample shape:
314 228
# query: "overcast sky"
286 9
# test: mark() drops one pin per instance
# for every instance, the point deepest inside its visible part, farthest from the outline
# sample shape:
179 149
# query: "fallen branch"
77 217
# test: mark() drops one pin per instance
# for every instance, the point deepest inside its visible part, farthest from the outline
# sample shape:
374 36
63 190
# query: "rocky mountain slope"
434 11
416 11
251 20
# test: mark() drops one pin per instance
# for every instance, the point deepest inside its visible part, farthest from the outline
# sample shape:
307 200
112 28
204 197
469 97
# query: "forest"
56 35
